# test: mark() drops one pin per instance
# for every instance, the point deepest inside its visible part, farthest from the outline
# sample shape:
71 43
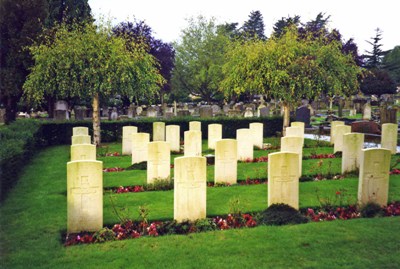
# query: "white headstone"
367 112
248 113
80 131
283 179
159 161
225 169
295 131
172 136
214 134
244 144
85 196
80 139
351 152
192 143
158 131
83 152
127 132
333 128
340 130
194 126
140 143
257 130
298 124
389 137
293 144
373 182
190 188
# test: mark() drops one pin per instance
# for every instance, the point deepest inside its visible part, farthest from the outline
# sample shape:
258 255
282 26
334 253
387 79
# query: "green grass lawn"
34 216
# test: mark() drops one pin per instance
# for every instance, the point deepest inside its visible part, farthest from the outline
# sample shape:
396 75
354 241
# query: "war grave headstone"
340 130
140 143
257 131
158 131
194 126
389 137
82 152
127 132
80 131
333 129
293 144
158 162
244 144
351 151
295 131
172 136
214 134
192 143
225 161
80 139
190 188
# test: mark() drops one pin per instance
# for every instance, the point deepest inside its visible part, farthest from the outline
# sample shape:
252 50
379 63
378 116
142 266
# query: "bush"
281 214
370 210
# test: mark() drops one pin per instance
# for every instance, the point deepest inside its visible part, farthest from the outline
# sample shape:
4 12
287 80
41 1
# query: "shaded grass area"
34 216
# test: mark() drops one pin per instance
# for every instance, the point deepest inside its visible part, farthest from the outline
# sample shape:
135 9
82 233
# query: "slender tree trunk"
286 117
11 110
96 120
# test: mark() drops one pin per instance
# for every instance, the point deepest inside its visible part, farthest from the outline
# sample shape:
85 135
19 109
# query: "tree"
378 82
373 58
21 22
289 68
254 26
68 11
199 58
140 32
86 61
391 63
281 25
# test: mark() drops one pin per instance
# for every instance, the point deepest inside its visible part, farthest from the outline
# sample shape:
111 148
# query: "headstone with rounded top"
192 143
225 169
82 152
389 137
194 126
127 132
257 130
333 129
340 130
214 134
244 144
158 162
293 144
172 136
351 151
140 142
158 131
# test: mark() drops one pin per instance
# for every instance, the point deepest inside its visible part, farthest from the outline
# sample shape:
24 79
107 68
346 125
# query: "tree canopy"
391 63
254 26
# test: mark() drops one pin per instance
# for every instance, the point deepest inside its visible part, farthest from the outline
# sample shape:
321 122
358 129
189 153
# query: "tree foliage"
199 59
378 81
68 11
373 58
88 62
283 23
254 26
391 63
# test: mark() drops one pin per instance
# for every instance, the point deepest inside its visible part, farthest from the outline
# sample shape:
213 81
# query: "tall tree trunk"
11 110
96 120
286 117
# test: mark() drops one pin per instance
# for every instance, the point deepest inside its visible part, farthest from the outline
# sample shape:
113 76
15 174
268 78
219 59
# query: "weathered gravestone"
366 127
158 131
151 112
192 143
373 182
61 110
389 137
190 188
80 131
264 112
367 112
248 113
303 114
172 136
340 130
85 196
79 112
82 152
388 115
295 131
114 114
293 144
158 163
333 129
257 134
131 111
216 109
244 144
351 151
194 126
127 132
283 179
140 143
80 139
205 112
183 113
225 161
214 134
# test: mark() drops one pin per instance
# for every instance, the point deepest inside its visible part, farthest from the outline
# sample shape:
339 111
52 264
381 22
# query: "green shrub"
282 214
204 225
370 210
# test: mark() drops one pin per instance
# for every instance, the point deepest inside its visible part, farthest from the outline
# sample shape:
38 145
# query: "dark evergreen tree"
230 29
391 63
377 82
283 23
373 58
68 11
254 26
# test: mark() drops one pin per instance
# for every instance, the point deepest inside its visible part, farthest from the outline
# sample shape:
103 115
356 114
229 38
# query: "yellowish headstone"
244 144
140 142
172 136
192 143
80 131
195 126
127 132
340 130
373 182
159 161
85 196
299 124
214 134
158 131
333 129
389 137
257 130
293 144
351 152
80 139
225 169
190 186
83 152
283 179
295 131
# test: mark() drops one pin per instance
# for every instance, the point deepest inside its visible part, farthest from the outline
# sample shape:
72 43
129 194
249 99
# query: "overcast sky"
353 18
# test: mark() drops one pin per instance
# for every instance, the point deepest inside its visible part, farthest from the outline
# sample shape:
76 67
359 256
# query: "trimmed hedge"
56 133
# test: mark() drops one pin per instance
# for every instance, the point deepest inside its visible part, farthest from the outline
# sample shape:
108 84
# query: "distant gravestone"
257 131
140 143
158 131
248 113
151 112
225 170
293 144
192 143
352 112
351 152
205 112
80 131
190 188
264 112
226 108
214 134
303 114
83 152
139 110
85 196
367 111
389 137
216 109
172 136
388 115
366 127
194 126
340 130
244 144
283 179
183 113
127 132
114 114
131 111
373 182
333 129
79 112
80 139
158 163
